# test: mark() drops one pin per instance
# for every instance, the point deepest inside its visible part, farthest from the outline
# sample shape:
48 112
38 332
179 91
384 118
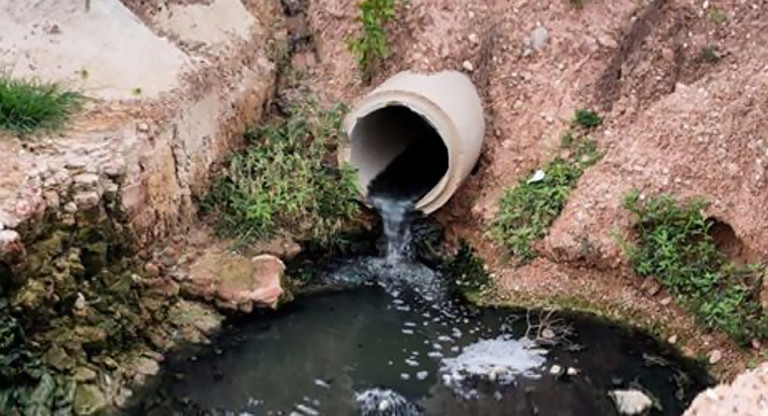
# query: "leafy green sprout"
371 44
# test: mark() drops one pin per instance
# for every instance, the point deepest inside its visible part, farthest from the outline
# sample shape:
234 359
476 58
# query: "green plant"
716 15
286 180
371 44
709 54
579 4
466 273
527 210
29 105
673 244
587 119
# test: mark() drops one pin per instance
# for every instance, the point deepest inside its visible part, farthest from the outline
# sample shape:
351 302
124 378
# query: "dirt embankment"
682 86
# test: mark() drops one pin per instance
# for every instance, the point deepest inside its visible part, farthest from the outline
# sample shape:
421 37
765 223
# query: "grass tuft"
371 44
27 106
587 119
527 210
710 55
287 181
673 245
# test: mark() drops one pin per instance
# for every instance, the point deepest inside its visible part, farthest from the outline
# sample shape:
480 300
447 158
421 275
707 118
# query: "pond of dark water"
345 353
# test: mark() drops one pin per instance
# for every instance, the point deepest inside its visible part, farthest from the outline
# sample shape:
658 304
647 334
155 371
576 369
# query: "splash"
385 402
397 216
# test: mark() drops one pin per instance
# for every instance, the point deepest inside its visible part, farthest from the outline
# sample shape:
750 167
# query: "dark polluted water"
347 352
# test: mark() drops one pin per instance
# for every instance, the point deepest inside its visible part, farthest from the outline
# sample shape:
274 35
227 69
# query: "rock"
651 286
86 181
84 374
468 66
672 339
194 319
666 301
146 366
548 334
631 402
85 200
57 358
151 269
142 127
746 395
11 247
80 302
474 39
556 371
539 37
283 247
89 400
572 371
715 356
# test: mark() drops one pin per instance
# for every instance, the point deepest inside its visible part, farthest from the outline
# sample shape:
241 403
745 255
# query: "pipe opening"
398 153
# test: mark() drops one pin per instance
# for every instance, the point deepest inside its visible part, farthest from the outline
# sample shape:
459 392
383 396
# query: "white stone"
631 402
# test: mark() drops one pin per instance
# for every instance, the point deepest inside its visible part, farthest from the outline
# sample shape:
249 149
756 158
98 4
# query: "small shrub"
579 4
716 15
287 180
27 106
587 119
466 272
371 44
527 210
673 244
709 54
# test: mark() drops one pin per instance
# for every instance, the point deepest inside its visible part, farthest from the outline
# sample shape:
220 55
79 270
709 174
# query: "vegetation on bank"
27 106
371 44
287 180
527 210
673 244
465 273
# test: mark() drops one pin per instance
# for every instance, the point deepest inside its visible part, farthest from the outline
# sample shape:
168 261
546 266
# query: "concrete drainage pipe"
441 113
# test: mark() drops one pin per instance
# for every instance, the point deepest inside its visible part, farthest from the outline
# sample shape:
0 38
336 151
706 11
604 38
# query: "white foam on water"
500 360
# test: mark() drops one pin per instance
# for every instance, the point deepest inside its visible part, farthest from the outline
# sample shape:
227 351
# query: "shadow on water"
395 342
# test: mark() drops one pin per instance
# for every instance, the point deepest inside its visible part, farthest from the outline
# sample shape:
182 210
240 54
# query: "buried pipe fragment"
425 130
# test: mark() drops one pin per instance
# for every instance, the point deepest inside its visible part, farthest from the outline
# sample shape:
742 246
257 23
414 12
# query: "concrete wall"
169 90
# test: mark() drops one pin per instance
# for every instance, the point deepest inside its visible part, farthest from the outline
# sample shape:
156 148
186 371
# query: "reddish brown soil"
674 123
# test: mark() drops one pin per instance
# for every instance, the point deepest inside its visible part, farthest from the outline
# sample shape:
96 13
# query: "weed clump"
371 44
587 119
466 272
528 209
27 106
709 54
674 245
287 180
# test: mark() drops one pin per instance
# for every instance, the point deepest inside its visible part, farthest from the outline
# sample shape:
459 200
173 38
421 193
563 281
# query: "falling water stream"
395 342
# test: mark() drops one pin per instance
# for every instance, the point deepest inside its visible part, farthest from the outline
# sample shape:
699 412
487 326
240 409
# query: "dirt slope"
682 85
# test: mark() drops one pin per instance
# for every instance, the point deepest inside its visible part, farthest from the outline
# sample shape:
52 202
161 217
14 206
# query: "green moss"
28 105
673 245
287 181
